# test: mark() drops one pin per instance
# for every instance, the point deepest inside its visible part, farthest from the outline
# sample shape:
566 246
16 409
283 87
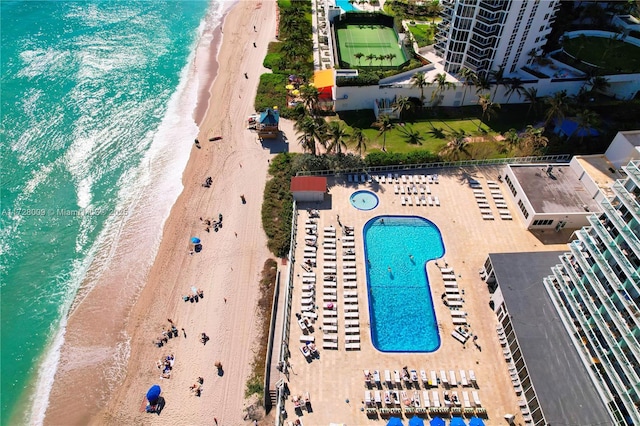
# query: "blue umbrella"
476 421
395 421
436 421
153 393
416 421
195 240
457 421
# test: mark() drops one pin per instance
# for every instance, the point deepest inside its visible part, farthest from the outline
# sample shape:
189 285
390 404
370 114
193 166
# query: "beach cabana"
267 126
324 81
308 188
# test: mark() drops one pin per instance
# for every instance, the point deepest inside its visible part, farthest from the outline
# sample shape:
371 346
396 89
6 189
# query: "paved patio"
335 380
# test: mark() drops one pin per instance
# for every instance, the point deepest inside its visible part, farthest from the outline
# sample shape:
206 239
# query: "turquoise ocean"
97 101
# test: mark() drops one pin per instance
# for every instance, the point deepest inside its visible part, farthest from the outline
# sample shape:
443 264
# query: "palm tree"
558 106
599 84
310 97
336 134
384 125
533 140
469 77
314 130
402 104
382 58
512 139
457 144
418 80
482 83
440 80
391 57
359 56
411 136
489 108
515 86
587 120
498 76
530 95
370 57
359 139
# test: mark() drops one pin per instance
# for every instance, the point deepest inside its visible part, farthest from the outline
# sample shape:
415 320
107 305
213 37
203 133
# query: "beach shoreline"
228 267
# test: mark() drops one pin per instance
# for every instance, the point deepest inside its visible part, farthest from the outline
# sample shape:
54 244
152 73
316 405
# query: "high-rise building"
485 35
596 290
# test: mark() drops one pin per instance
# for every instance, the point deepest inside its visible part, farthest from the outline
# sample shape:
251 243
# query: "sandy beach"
228 267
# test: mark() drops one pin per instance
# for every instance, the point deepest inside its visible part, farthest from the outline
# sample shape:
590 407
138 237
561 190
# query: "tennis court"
369 39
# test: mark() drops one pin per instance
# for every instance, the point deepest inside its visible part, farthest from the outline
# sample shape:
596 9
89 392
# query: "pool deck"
335 381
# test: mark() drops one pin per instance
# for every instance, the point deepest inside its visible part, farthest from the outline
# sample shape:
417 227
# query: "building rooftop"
563 386
308 183
601 170
557 192
633 136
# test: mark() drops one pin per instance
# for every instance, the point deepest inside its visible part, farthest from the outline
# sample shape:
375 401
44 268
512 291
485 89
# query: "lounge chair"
396 189
330 321
423 376
352 330
443 377
472 377
458 321
330 328
436 399
436 200
403 201
387 378
414 376
352 346
430 200
405 398
387 398
465 398
409 200
425 397
352 338
416 399
458 337
307 338
377 397
434 379
396 376
463 378
476 399
452 378
352 315
367 398
329 345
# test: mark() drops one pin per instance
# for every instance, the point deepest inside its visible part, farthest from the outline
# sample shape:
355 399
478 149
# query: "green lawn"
422 33
614 56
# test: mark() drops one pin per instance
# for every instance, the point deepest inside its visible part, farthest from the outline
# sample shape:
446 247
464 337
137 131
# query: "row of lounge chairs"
411 379
329 290
422 399
422 200
391 178
350 291
413 189
498 199
481 199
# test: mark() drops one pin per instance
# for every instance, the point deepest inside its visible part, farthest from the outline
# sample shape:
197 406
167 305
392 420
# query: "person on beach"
185 333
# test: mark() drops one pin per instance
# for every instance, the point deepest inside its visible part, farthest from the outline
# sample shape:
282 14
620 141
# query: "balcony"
614 248
633 171
630 202
623 227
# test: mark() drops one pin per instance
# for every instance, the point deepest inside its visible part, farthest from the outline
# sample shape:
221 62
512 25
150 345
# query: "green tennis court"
370 39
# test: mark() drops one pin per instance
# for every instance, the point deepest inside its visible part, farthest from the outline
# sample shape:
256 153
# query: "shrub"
271 92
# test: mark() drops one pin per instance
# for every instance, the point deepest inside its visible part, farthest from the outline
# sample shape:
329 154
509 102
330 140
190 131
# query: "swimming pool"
364 200
346 6
401 311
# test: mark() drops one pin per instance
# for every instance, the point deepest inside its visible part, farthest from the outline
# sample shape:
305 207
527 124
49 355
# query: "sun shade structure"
395 421
324 81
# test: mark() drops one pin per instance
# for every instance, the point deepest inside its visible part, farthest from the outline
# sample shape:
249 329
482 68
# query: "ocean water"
401 309
97 124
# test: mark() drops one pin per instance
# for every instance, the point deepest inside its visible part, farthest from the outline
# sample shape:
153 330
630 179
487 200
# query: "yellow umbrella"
296 92
289 86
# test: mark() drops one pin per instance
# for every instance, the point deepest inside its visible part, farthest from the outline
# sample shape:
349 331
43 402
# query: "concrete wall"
621 150
307 196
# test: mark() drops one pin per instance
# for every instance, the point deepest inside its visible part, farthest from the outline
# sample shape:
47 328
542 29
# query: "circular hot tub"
364 200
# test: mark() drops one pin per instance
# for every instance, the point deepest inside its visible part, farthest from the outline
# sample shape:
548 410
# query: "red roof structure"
308 183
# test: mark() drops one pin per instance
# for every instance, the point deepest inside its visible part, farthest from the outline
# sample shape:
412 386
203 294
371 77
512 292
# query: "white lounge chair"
367 398
352 346
452 378
476 398
463 378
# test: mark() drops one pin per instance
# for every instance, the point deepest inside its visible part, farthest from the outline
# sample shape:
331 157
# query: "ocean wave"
145 192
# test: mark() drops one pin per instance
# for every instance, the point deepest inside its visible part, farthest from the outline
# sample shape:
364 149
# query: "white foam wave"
152 187
39 62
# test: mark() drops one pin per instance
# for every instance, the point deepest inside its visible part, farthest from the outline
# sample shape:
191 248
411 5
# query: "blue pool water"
346 6
364 200
401 308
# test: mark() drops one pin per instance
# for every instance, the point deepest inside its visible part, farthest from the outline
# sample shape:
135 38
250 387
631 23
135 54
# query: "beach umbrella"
295 92
153 393
289 87
195 240
395 421
416 421
457 421
476 421
436 421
